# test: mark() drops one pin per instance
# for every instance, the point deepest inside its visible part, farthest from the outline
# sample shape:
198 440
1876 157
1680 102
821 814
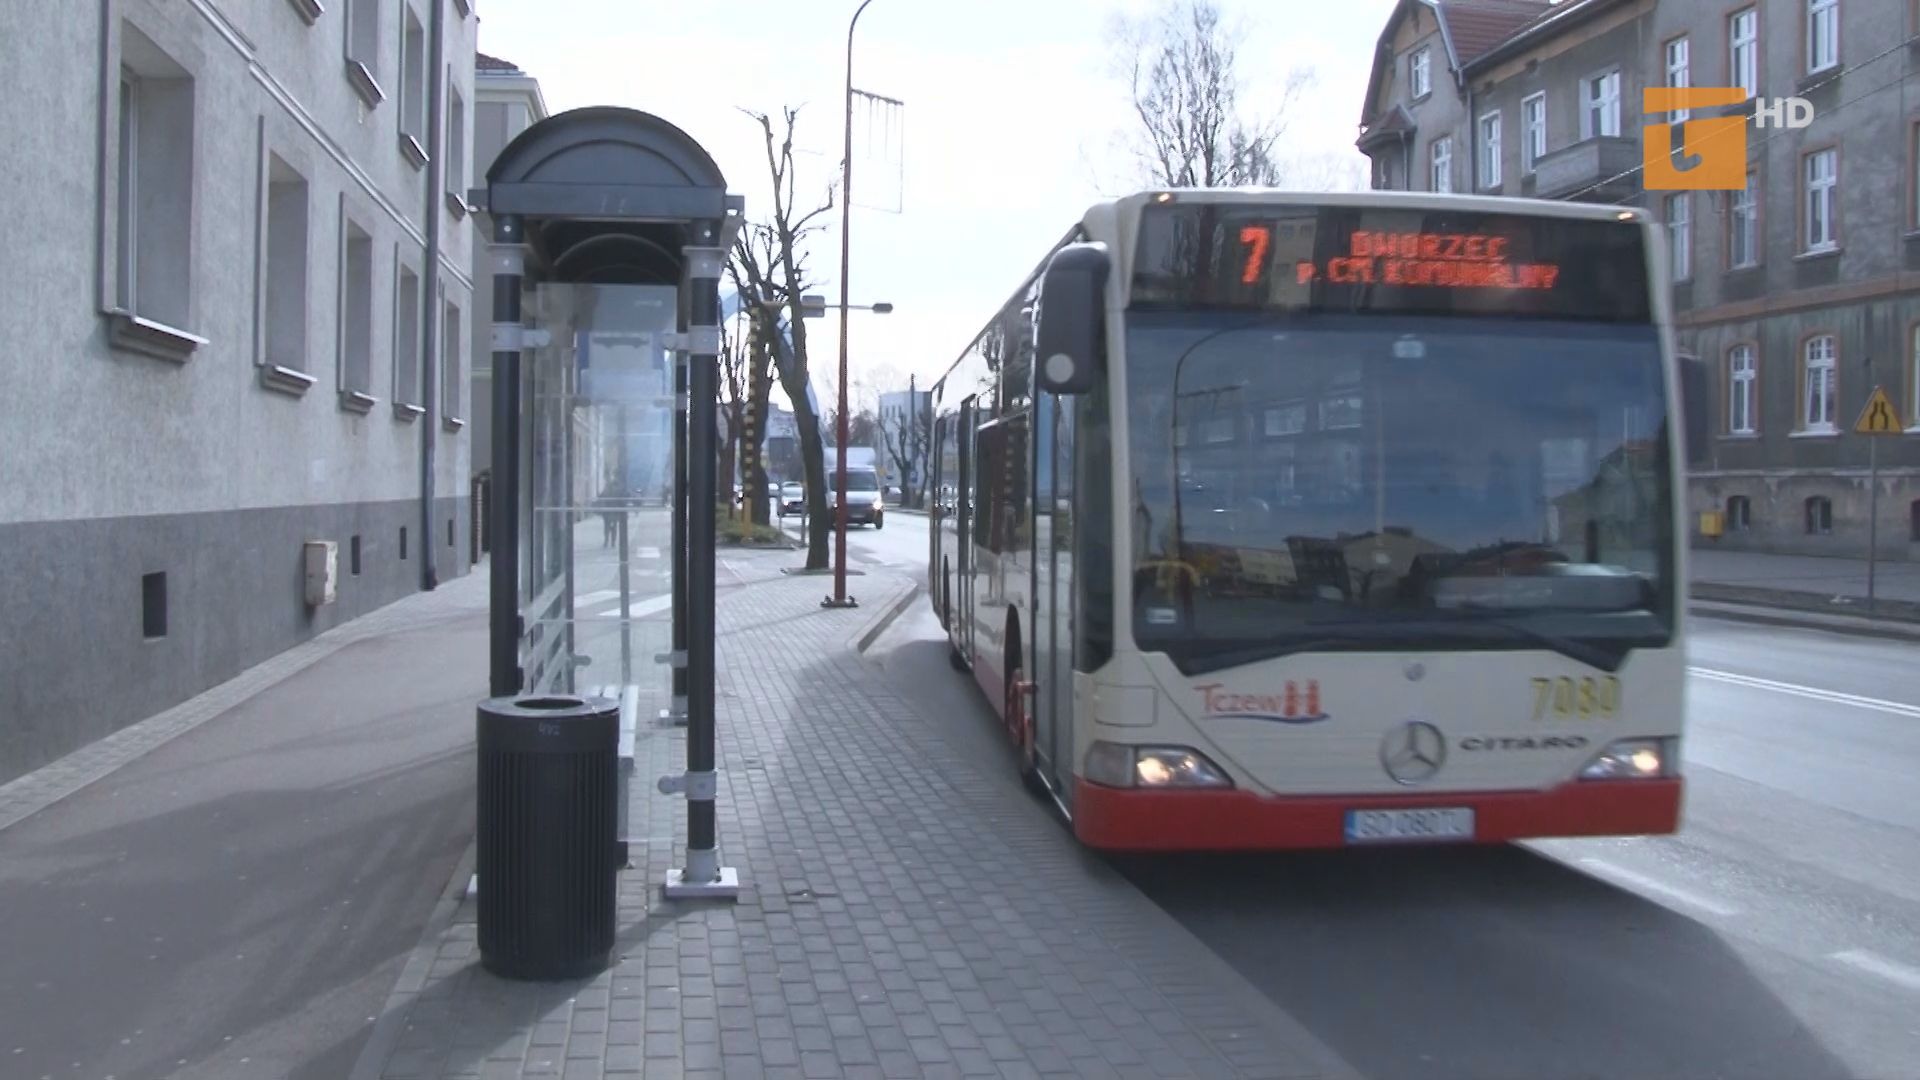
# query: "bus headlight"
1630 759
1123 766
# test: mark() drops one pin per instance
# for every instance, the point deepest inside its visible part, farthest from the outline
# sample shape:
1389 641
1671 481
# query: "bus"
1271 521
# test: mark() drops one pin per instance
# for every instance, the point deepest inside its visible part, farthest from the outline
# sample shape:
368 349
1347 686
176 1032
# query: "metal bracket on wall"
698 786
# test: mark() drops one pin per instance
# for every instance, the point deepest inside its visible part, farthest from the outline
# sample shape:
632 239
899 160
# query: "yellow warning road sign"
1879 417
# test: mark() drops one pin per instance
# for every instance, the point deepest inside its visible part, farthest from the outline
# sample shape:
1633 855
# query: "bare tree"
1181 66
770 272
908 435
735 380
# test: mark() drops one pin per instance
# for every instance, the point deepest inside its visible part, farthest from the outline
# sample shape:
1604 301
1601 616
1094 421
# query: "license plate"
1409 826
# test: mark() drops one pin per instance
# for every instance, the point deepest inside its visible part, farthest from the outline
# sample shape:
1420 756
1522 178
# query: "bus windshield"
1338 481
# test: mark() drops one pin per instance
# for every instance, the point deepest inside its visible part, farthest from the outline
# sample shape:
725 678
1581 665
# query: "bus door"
962 629
1051 637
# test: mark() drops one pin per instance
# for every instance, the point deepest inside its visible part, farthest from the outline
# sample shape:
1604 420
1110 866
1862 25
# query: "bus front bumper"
1119 819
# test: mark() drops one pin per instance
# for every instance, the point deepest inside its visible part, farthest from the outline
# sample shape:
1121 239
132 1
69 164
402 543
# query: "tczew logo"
1297 703
1713 149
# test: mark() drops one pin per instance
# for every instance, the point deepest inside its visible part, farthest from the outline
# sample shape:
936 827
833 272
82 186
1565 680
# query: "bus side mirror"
1696 401
1073 304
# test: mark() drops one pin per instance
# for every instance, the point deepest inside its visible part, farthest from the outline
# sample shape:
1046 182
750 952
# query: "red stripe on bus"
1116 819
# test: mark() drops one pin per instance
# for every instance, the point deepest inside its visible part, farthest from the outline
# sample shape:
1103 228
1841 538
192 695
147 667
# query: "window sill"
1815 433
452 423
1744 268
365 84
310 10
286 380
355 401
457 206
132 333
1740 436
1818 253
406 413
411 149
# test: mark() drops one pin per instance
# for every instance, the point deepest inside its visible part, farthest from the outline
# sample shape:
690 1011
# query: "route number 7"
1257 238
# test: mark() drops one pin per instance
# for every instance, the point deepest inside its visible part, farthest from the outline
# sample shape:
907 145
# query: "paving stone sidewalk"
900 917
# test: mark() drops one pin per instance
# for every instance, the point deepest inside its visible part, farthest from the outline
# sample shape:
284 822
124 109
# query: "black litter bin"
545 835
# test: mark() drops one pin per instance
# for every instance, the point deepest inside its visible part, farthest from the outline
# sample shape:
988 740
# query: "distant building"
236 282
905 432
1798 289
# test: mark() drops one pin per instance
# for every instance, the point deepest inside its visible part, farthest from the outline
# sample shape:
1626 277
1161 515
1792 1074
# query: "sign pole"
1877 419
1873 515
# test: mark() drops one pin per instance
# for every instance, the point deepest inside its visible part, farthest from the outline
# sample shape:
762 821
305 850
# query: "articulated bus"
1269 521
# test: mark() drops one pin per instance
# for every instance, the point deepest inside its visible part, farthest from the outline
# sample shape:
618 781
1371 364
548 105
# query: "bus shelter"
609 232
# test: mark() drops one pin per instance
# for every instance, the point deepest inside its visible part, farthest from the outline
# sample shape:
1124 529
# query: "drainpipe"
430 282
1473 142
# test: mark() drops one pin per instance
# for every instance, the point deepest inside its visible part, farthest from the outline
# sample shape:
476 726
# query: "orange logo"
1719 143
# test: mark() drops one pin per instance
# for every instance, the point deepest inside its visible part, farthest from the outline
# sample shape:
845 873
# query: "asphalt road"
239 902
1777 936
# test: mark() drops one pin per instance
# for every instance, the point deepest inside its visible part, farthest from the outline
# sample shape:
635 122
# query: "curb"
1852 626
377 1051
887 618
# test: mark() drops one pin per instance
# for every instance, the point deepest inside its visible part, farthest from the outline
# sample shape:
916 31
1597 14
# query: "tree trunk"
813 457
724 489
759 389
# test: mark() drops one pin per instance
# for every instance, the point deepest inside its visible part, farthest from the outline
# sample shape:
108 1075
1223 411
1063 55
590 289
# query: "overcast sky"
1008 131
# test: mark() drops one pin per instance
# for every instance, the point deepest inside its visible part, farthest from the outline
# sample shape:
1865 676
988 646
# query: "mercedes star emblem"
1413 752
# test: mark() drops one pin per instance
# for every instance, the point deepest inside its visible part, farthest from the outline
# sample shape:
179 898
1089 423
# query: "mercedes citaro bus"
1287 521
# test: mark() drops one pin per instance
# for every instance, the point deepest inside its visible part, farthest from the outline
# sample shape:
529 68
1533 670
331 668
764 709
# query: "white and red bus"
1272 521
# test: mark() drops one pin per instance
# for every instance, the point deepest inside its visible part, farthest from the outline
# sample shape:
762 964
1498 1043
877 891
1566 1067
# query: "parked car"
864 505
793 499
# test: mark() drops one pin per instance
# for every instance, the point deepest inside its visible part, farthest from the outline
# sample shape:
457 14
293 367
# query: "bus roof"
1403 200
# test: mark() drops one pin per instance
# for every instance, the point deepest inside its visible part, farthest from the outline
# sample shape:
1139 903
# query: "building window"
1820 384
1913 378
1490 150
1739 513
356 315
1440 175
1680 235
1823 34
363 49
1913 521
1741 380
1533 134
1420 72
1743 226
457 178
1679 74
450 366
152 199
1600 106
1819 515
283 286
406 341
1822 181
1743 50
153 605
413 90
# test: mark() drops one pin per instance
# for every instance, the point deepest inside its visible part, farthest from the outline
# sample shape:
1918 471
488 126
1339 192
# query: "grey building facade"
238 276
1799 290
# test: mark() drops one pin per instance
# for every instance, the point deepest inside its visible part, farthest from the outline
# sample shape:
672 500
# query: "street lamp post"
840 597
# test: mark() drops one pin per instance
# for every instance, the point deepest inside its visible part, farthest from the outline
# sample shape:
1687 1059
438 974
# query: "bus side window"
986 467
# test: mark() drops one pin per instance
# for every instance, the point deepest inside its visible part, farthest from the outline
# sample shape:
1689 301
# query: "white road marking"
1876 964
649 552
592 598
1832 697
1646 884
639 610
